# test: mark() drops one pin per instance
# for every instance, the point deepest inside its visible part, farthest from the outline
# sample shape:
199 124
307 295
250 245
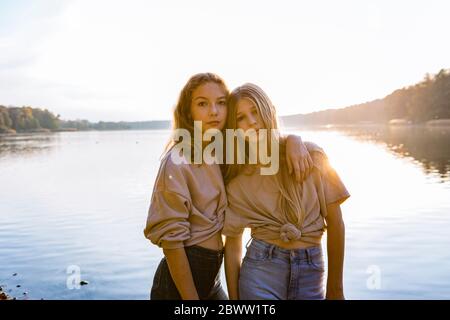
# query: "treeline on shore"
425 101
28 119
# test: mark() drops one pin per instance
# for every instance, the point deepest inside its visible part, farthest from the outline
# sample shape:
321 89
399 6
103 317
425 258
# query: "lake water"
76 203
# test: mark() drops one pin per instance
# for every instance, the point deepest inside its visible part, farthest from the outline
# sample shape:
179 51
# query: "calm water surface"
78 201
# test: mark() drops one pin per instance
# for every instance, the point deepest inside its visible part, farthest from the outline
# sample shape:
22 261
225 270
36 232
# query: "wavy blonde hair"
291 204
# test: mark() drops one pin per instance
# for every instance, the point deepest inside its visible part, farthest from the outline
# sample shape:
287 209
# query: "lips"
213 123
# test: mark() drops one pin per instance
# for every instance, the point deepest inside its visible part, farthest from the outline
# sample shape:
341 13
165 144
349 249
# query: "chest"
264 194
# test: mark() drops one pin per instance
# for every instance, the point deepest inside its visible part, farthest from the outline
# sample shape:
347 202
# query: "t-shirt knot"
289 232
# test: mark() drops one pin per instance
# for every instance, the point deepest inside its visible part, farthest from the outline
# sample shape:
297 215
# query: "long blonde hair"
291 204
182 117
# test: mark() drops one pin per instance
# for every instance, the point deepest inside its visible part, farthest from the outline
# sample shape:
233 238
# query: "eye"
222 102
202 104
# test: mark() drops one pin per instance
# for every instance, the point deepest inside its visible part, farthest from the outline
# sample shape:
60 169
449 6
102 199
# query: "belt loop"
308 256
272 247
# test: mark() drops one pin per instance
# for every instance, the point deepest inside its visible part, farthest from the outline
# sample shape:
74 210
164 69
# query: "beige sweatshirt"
188 204
254 202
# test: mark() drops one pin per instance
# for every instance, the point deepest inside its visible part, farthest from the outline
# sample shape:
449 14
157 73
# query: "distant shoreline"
31 132
443 123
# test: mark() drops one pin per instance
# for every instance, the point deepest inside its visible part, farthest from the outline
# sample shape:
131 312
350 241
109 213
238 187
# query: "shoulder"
320 159
175 160
330 177
313 147
173 172
318 155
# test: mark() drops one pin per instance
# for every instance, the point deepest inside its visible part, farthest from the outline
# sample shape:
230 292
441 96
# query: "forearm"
180 271
335 249
233 254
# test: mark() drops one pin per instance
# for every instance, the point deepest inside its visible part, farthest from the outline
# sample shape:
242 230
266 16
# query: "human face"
247 116
209 106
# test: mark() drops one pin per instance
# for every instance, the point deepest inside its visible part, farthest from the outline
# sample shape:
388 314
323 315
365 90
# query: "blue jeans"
269 272
205 268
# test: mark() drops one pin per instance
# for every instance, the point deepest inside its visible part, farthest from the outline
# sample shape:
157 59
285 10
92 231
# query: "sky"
116 60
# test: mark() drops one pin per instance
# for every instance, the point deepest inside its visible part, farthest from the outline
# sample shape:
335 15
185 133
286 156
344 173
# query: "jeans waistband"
204 252
302 253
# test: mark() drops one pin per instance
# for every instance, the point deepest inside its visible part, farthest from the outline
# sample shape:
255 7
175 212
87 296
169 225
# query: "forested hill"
28 119
419 103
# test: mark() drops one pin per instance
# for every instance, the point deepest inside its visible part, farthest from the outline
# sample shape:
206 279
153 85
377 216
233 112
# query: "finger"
305 171
310 163
297 171
307 168
289 165
302 171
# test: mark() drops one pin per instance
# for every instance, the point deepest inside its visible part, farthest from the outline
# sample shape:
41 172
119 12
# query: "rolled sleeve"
167 223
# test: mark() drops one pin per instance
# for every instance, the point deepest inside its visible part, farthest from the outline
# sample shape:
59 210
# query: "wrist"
334 296
335 291
335 286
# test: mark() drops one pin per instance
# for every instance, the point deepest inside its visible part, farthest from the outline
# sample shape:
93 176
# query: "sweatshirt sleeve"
167 223
168 216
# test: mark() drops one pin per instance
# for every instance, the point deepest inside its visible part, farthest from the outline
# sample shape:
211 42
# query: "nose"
252 120
213 110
